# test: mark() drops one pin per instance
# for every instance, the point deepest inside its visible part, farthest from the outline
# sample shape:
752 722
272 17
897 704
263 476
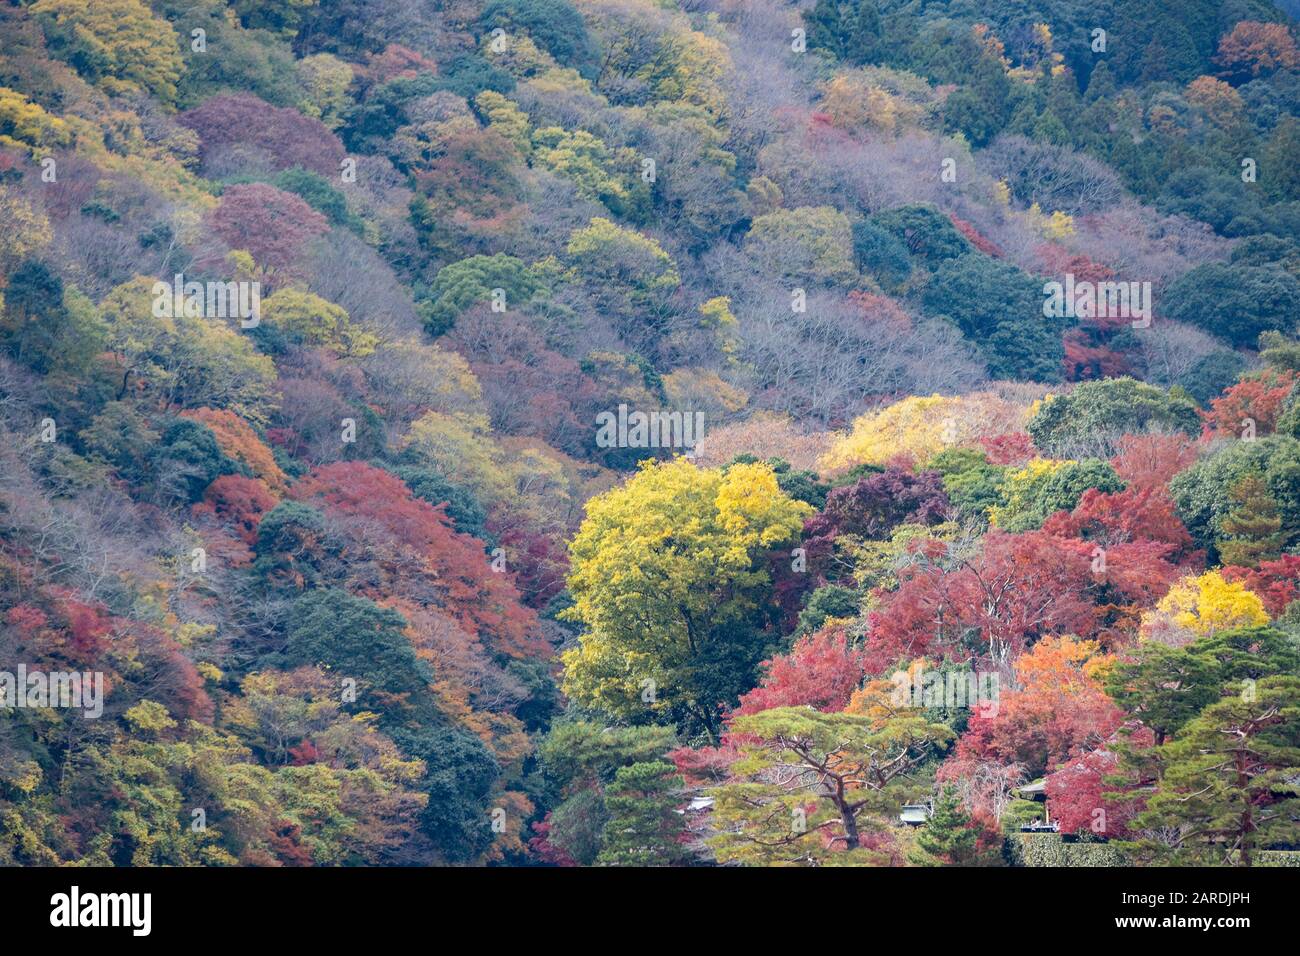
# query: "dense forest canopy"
649 432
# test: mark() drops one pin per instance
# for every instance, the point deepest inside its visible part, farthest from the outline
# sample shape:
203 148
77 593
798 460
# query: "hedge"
1048 849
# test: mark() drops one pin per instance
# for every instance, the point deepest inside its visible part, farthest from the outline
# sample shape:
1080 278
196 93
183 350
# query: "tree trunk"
850 819
1247 822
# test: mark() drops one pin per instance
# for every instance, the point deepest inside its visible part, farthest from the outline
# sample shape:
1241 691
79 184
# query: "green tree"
468 282
924 231
829 601
1279 352
1163 686
581 751
123 437
880 254
808 784
1029 504
947 838
279 16
555 25
579 762
1211 375
577 826
187 459
355 638
1227 780
1252 531
1278 162
644 827
186 361
318 193
289 548
849 30
1235 302
47 327
1095 415
1166 687
982 106
972 484
1202 493
999 309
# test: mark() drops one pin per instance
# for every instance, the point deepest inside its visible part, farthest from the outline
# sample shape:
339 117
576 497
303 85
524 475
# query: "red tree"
1257 399
396 61
282 136
238 503
975 238
1057 711
1111 518
1276 582
822 670
269 223
1076 792
407 546
1013 448
1151 460
1017 589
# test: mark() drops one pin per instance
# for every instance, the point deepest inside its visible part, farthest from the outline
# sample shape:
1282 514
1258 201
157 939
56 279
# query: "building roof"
914 813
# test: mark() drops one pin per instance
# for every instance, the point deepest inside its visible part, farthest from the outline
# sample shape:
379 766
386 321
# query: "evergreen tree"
644 827
1253 529
1227 786
851 31
947 839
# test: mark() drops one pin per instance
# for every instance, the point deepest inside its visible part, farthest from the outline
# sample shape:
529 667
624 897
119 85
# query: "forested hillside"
650 432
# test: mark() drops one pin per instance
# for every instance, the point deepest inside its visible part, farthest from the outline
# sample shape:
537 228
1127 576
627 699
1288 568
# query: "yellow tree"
599 172
1024 488
24 125
507 119
118 44
317 321
26 229
461 449
326 79
606 253
1200 606
669 580
921 426
811 243
186 361
854 102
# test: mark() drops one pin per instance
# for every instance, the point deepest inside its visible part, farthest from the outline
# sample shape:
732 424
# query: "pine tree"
644 827
1228 784
1253 529
947 839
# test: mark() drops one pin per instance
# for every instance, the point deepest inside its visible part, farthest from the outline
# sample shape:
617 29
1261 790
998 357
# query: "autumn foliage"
411 543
